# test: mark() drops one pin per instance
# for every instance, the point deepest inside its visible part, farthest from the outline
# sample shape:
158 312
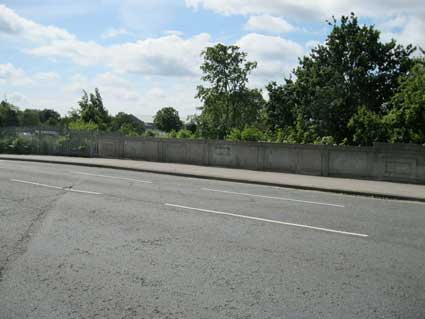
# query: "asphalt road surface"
80 242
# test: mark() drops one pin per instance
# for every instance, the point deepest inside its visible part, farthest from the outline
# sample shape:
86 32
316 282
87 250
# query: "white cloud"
114 32
290 8
169 55
275 55
18 99
405 30
122 95
402 20
47 76
10 75
14 25
307 9
268 23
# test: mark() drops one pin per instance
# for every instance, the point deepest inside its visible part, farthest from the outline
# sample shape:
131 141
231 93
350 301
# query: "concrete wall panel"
381 162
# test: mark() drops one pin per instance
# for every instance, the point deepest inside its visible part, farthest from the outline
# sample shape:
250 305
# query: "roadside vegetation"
353 89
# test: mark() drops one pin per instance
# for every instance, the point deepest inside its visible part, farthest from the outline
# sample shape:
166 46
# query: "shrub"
251 134
325 140
172 134
234 135
80 125
21 145
150 133
184 134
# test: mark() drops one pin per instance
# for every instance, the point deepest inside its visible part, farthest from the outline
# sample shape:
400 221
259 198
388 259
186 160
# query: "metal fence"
48 141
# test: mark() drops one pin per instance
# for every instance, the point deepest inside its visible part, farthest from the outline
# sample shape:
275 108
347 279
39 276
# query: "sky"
145 54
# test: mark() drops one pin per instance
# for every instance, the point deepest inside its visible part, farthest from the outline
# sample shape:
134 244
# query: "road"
80 242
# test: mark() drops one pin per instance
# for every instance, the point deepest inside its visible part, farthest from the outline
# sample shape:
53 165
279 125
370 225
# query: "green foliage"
251 134
234 135
8 114
325 140
281 106
150 133
352 69
80 125
167 119
49 117
192 123
16 145
227 102
407 116
172 134
3 145
127 124
29 117
367 127
248 134
184 133
92 110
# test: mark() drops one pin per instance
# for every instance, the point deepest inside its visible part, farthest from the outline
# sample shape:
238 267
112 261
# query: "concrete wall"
400 162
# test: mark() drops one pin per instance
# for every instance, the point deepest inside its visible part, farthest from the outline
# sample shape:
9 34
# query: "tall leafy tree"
92 110
8 114
50 117
167 119
281 106
352 69
407 116
227 102
127 124
29 117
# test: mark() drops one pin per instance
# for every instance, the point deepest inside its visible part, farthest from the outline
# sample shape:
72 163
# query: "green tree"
407 116
29 117
49 117
127 124
192 123
281 106
227 102
352 69
167 119
367 126
92 110
8 114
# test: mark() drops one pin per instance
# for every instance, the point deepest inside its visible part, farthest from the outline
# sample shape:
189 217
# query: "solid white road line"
273 197
55 187
114 177
268 220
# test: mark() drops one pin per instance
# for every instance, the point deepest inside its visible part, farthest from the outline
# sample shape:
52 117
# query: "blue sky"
144 54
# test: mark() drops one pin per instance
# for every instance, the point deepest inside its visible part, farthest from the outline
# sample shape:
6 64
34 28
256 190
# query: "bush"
21 145
4 144
234 135
172 134
252 134
367 126
150 133
80 125
184 134
325 140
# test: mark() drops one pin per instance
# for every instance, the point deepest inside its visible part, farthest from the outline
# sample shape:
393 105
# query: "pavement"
392 190
92 242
